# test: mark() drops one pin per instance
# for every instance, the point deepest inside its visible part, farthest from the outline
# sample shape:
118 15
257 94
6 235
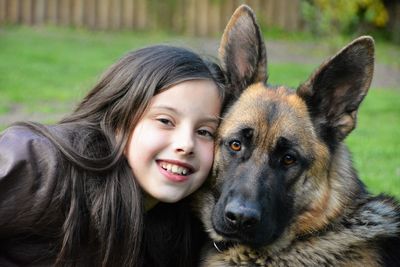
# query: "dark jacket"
30 210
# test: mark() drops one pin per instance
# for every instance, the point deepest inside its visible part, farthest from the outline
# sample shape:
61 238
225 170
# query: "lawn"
52 64
46 71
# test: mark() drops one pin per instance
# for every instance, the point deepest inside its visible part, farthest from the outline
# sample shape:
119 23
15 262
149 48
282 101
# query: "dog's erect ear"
242 51
334 92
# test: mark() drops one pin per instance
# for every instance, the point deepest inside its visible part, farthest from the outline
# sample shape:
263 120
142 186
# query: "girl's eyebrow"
211 119
166 107
207 119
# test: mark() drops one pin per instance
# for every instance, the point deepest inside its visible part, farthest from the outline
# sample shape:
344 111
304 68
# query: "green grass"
47 70
52 64
289 74
388 53
375 142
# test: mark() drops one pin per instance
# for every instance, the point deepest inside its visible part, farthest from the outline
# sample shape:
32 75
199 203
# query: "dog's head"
275 144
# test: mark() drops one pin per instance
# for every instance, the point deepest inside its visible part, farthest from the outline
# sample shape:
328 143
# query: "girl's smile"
177 168
174 173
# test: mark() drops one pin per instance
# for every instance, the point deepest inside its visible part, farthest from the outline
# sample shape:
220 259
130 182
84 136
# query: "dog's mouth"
226 235
222 246
253 240
236 239
231 236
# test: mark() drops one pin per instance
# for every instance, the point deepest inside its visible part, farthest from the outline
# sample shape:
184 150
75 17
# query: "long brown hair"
103 201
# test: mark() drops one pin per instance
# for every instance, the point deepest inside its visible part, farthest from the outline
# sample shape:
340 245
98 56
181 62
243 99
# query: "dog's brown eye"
235 146
288 160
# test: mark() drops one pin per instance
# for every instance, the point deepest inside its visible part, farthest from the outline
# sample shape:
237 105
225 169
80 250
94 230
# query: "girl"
107 185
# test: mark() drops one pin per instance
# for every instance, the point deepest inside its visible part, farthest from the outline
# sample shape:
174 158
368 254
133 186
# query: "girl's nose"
184 142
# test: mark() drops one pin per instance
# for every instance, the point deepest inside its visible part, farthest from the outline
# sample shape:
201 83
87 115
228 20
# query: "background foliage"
327 17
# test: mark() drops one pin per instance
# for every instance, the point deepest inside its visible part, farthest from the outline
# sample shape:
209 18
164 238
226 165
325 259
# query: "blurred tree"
327 17
393 7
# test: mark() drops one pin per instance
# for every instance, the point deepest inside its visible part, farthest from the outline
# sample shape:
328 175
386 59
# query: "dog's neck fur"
335 199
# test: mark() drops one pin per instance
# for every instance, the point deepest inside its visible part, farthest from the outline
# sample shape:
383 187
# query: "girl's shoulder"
30 184
20 139
22 145
19 131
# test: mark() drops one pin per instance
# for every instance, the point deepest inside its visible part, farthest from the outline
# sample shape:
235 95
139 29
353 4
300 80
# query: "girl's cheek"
208 154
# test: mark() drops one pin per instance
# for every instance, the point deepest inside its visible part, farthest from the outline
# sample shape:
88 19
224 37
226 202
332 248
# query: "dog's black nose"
242 215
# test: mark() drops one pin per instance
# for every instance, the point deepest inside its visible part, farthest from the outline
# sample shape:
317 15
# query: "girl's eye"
205 133
235 145
288 160
165 121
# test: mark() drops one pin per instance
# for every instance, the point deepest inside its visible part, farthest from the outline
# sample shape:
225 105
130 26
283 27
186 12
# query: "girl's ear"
335 90
242 52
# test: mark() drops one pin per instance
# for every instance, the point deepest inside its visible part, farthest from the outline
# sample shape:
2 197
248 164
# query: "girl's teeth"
175 169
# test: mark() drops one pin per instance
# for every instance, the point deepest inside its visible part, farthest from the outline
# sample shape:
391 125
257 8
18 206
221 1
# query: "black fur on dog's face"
274 144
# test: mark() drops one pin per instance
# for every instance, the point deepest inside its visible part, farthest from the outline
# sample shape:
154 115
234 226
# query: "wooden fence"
191 17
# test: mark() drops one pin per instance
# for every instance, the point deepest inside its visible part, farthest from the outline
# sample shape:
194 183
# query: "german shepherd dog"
283 190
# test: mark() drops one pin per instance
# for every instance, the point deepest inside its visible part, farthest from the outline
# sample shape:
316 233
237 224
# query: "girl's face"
171 149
